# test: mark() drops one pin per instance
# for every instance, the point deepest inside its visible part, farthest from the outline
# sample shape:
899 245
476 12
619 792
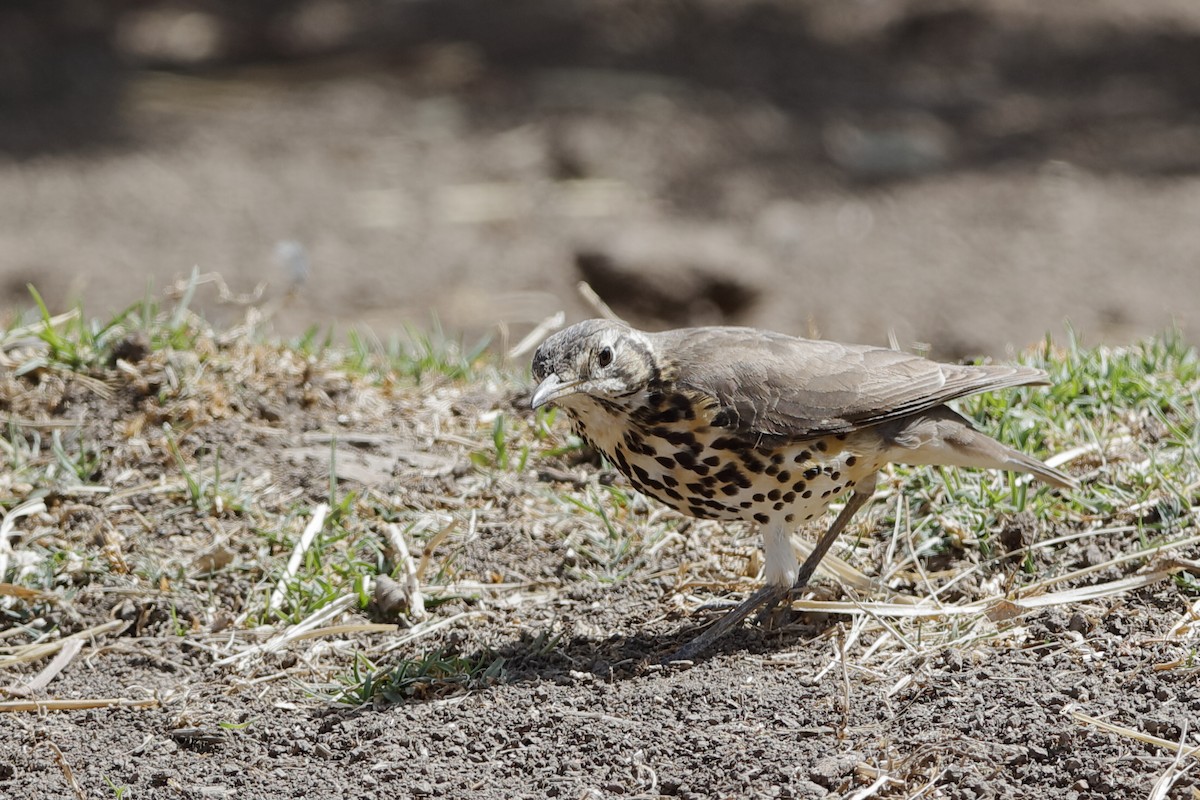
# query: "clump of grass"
501 455
412 354
434 674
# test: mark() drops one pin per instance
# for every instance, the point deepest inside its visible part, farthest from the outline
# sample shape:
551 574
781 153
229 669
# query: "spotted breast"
686 452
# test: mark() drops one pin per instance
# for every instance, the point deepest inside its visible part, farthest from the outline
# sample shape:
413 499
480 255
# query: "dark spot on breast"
655 399
826 493
686 459
676 436
851 461
812 472
821 445
642 474
784 476
717 504
697 511
694 488
725 443
671 493
637 444
760 498
731 474
789 497
774 494
835 474
772 469
684 406
722 419
841 437
762 518
730 489
668 416
790 518
713 461
807 494
622 462
778 506
753 464
746 504
802 456
665 462
837 489
670 480
610 406
798 486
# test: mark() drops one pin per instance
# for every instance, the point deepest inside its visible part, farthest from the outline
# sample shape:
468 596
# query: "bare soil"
575 704
965 175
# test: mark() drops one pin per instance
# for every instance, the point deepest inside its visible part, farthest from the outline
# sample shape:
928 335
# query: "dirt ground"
569 620
965 175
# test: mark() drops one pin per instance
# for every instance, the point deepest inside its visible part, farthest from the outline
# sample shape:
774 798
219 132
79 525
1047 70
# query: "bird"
738 423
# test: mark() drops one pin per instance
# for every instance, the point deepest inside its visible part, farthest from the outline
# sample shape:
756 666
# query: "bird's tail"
942 436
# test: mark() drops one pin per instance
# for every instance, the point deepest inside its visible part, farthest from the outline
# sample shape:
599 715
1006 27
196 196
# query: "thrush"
744 424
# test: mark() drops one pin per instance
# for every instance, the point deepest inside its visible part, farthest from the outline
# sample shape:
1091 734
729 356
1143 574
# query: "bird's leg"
769 596
857 500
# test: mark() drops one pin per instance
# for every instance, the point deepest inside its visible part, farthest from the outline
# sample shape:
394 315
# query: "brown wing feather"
780 386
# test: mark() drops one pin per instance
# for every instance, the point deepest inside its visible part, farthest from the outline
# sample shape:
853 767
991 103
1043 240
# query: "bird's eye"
605 356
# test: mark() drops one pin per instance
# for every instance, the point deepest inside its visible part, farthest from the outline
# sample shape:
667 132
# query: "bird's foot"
777 615
765 598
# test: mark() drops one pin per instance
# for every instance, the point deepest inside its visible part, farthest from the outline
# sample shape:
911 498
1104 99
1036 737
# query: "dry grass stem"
1180 748
1125 558
8 527
598 305
65 656
873 789
408 569
77 705
1173 772
349 628
39 650
543 329
293 632
68 773
428 627
306 539
1067 456
20 592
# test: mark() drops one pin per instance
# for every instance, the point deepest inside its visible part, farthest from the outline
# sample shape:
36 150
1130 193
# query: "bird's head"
595 358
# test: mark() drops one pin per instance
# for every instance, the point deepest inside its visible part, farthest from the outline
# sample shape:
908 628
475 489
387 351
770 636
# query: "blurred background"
968 175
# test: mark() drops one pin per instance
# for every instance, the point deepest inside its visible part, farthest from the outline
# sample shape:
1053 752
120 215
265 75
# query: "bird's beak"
553 388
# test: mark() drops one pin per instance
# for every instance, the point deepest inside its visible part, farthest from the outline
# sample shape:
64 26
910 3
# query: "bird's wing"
779 386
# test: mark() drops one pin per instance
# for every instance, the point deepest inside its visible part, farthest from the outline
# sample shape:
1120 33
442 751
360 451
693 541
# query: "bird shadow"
530 659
